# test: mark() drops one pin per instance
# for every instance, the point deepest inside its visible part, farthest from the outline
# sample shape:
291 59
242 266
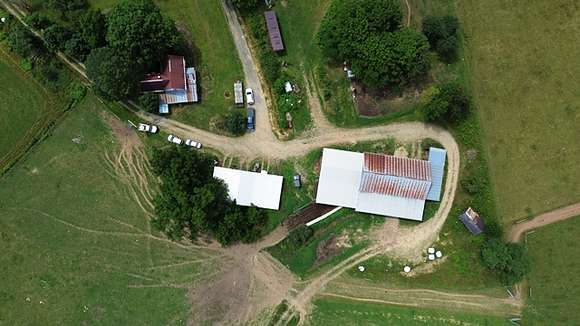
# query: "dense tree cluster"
442 35
368 35
447 103
191 202
508 261
113 77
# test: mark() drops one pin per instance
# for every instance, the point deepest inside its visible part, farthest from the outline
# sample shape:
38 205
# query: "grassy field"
25 106
554 282
525 76
337 311
76 245
216 58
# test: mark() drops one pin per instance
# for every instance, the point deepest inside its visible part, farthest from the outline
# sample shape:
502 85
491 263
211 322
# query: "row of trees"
368 35
192 202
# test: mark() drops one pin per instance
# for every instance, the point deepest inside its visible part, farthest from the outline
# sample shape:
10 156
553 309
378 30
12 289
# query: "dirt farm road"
560 214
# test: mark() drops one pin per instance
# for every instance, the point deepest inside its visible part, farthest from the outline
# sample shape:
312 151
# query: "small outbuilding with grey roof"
472 221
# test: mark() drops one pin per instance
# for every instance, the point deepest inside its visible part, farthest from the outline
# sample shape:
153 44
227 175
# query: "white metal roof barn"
250 188
376 183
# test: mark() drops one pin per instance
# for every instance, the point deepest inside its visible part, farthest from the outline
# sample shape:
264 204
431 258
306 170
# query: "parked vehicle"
193 143
147 128
174 139
251 120
250 96
297 181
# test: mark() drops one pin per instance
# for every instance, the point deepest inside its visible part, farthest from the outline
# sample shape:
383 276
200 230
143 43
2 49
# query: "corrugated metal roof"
397 166
274 30
251 188
394 186
437 160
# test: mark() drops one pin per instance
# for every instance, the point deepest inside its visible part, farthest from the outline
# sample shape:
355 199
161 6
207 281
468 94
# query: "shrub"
77 48
149 102
442 35
509 261
449 103
245 5
235 123
300 236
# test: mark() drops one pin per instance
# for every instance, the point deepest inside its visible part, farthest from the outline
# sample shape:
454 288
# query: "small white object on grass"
431 257
361 268
407 269
431 250
438 254
3 19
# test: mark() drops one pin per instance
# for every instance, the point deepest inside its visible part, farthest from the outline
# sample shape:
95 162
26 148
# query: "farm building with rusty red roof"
376 183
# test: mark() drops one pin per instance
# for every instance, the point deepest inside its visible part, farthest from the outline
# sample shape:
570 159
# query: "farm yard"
80 209
554 292
75 255
524 74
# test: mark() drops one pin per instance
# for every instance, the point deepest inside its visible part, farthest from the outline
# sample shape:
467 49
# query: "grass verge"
338 311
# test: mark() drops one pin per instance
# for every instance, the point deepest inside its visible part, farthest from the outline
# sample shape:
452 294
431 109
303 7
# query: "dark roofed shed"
274 30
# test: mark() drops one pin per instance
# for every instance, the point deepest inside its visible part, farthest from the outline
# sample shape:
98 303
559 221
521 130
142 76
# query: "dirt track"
518 230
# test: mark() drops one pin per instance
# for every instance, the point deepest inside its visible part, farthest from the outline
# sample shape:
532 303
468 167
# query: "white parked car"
193 143
147 128
174 139
250 96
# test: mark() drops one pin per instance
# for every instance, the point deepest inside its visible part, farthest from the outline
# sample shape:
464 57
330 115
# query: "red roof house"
176 84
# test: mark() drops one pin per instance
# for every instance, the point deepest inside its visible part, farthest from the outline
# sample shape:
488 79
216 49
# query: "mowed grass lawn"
554 281
338 311
525 68
76 247
216 58
22 104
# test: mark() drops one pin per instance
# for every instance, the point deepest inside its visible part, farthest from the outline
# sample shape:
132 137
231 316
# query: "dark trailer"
274 31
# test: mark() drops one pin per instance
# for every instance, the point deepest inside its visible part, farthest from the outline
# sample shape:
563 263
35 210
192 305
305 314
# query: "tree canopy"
192 202
441 31
136 29
368 35
509 260
23 42
113 75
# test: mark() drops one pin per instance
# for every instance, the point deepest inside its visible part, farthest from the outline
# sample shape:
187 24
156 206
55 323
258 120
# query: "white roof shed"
250 188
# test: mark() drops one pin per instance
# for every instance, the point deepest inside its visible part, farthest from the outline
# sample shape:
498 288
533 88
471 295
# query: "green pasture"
525 77
554 285
77 247
25 107
338 311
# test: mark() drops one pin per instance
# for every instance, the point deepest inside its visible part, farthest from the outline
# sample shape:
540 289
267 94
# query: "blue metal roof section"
437 160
